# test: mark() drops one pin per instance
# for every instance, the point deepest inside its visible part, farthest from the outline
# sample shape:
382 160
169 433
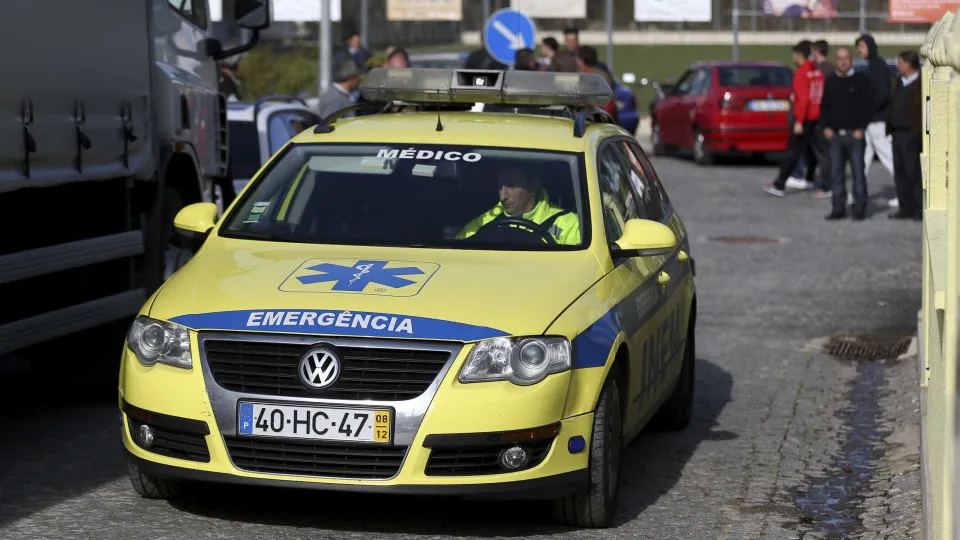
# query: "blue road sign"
508 31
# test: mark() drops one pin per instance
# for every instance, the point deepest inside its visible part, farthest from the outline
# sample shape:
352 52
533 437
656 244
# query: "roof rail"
324 125
266 99
592 115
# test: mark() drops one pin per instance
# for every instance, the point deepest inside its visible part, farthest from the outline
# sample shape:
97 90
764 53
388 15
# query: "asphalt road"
787 442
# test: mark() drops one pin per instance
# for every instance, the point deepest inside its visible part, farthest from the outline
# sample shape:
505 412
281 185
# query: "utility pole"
736 30
324 45
364 23
610 35
863 16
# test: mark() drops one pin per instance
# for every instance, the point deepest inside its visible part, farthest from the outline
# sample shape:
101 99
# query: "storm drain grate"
742 239
852 348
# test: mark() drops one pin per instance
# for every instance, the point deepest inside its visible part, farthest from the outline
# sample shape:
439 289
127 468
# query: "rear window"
244 149
755 76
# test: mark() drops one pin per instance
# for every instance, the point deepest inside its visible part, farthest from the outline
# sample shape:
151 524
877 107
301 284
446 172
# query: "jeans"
844 149
810 140
800 169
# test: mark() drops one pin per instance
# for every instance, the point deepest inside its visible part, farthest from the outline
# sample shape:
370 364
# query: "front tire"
595 506
701 155
659 149
149 486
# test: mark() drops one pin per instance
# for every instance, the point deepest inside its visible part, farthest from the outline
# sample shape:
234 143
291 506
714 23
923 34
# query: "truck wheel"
149 486
595 505
677 411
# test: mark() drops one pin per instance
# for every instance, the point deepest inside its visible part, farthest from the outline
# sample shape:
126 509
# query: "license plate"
768 105
317 423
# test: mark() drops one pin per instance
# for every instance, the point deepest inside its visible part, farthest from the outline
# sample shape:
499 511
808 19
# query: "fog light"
576 444
145 434
513 458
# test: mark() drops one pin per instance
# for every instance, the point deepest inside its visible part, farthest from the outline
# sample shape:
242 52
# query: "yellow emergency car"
425 300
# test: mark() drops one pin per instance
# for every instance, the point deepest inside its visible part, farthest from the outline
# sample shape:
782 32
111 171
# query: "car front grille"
367 373
330 460
480 460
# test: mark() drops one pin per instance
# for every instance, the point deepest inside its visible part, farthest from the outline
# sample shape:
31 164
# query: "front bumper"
197 424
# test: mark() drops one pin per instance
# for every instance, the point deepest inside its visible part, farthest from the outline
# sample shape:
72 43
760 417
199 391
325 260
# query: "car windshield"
244 149
439 196
755 76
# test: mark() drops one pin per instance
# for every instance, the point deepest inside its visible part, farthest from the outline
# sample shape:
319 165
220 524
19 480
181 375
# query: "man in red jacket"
807 93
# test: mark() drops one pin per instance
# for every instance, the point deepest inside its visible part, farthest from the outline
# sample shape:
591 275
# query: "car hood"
460 295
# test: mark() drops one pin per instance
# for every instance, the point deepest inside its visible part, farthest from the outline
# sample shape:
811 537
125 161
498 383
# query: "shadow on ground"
653 463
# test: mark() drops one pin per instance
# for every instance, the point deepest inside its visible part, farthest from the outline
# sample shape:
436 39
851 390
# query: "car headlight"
161 342
521 360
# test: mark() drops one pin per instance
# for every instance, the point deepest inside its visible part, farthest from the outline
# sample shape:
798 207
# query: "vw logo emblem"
319 368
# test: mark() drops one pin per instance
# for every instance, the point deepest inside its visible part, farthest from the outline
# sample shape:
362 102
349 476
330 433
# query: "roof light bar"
436 85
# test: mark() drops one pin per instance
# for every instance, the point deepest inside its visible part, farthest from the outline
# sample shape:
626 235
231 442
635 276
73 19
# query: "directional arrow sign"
506 32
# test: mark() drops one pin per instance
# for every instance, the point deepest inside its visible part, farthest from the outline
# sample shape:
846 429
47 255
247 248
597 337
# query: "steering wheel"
514 223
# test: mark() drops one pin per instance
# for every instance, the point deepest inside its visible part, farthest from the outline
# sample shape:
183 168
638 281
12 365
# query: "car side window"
301 120
193 10
701 83
684 84
655 198
615 194
278 131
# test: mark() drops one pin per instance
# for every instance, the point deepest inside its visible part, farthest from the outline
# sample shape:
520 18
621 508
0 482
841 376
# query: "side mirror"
194 222
629 78
252 14
644 238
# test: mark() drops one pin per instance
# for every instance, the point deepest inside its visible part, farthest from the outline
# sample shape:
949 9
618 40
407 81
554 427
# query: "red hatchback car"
718 108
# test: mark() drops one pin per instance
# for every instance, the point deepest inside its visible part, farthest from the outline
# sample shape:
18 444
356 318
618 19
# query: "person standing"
548 48
821 55
807 95
877 142
354 49
904 122
346 79
845 114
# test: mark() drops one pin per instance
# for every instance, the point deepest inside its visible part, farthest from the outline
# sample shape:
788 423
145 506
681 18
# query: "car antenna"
439 124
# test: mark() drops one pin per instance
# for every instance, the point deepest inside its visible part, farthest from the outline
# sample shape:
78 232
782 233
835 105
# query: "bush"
267 72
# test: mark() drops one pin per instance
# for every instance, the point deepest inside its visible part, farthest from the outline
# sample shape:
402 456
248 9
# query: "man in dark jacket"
846 111
481 59
904 121
879 73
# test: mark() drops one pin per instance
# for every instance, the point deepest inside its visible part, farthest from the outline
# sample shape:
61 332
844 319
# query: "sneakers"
773 190
894 203
798 183
822 194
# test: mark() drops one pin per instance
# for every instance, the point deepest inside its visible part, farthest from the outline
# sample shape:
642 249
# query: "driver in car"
523 198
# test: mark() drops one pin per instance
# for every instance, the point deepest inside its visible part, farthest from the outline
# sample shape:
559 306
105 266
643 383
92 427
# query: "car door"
639 276
676 268
669 110
690 104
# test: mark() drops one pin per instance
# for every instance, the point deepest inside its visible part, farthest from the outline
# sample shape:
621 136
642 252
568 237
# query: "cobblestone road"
787 442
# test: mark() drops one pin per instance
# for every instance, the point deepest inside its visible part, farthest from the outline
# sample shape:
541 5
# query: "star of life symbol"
319 368
357 277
